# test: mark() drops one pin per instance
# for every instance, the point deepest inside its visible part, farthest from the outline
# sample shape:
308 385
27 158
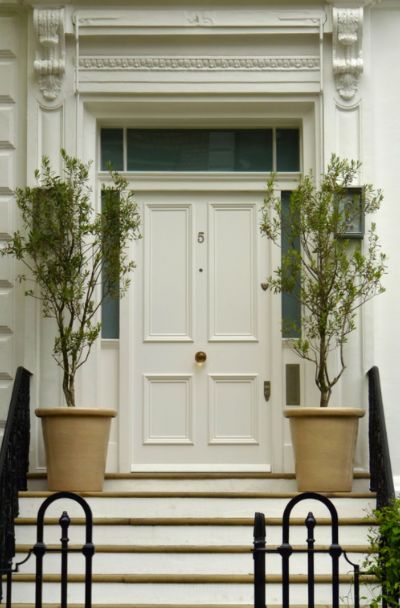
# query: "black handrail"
14 463
379 457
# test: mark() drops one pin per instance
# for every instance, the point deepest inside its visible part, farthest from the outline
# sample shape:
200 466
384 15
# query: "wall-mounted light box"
351 205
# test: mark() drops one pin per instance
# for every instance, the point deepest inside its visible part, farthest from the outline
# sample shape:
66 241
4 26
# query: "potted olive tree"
75 258
332 276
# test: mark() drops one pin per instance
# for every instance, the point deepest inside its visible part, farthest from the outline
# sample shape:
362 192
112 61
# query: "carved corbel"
347 50
49 64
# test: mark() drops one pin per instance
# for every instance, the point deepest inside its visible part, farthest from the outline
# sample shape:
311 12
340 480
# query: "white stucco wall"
382 151
13 87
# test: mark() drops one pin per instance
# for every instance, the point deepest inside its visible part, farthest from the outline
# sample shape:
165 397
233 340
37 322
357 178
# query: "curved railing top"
68 496
310 496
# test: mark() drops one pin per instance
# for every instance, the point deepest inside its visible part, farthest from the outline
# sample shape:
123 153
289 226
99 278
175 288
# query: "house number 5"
200 237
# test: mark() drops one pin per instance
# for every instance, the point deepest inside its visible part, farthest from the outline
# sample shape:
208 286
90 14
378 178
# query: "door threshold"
201 468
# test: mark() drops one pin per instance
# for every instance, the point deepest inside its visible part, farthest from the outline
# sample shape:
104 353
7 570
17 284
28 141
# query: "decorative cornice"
203 64
196 19
351 3
49 63
347 50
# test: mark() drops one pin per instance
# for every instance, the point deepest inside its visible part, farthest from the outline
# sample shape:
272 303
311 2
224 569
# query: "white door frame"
250 110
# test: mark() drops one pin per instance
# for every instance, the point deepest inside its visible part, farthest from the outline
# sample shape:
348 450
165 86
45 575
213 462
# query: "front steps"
202 482
186 541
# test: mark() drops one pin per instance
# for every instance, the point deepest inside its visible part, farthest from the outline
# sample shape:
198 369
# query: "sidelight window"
291 308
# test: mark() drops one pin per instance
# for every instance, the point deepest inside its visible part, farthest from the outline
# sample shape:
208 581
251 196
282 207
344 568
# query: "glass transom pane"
287 150
199 150
112 149
227 150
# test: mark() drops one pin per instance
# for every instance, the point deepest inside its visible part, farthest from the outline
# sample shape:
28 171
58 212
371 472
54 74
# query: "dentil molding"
347 50
49 64
198 63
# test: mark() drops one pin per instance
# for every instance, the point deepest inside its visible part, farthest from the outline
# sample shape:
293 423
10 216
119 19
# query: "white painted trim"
157 181
191 109
201 468
216 22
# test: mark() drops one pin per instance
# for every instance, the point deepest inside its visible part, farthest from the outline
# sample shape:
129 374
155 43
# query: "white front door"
197 290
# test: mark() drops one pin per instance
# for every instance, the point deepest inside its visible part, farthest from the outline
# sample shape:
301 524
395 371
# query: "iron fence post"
259 560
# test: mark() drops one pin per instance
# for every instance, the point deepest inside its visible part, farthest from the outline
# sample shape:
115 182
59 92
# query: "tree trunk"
69 389
322 375
325 396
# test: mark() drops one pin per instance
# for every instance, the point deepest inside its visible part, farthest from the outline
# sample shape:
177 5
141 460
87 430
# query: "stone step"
197 504
170 589
178 538
236 482
177 605
188 560
189 531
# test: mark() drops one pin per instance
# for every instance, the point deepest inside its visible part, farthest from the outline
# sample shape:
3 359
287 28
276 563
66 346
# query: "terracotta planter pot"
76 442
324 441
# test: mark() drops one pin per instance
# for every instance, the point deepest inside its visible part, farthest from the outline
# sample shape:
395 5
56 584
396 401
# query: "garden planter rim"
74 411
320 412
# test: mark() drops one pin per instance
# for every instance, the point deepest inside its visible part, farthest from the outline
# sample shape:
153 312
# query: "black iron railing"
379 458
40 549
310 549
14 462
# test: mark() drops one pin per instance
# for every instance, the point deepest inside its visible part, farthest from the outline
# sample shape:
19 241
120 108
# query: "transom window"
230 150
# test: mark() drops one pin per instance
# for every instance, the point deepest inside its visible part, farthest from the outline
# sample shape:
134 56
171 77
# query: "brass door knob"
200 356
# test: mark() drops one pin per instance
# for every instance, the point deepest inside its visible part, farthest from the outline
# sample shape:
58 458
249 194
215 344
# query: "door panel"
168 273
197 289
232 270
233 406
168 409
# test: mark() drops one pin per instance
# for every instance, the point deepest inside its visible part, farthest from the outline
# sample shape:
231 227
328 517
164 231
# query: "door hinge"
267 390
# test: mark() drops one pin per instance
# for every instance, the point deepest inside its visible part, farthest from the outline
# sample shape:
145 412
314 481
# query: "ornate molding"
350 3
198 19
347 50
49 64
202 64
